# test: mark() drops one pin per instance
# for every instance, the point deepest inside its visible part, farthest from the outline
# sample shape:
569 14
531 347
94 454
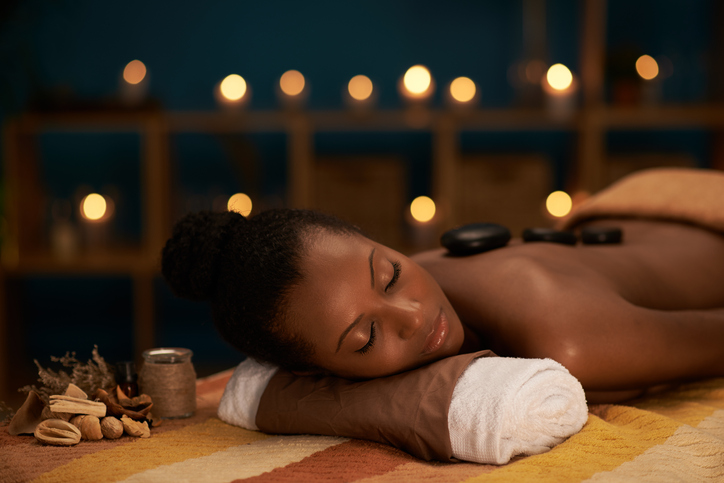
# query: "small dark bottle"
127 378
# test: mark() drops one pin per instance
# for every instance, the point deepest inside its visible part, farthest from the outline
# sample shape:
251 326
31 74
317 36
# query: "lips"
438 334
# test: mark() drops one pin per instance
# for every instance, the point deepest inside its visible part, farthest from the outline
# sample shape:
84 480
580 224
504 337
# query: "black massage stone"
549 235
601 235
475 238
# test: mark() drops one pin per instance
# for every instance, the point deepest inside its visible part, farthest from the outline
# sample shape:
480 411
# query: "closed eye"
370 342
395 276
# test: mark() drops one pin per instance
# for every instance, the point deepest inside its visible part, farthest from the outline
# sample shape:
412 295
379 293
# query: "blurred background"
405 117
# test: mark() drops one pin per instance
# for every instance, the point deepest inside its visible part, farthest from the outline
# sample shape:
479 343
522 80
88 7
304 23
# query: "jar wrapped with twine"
168 376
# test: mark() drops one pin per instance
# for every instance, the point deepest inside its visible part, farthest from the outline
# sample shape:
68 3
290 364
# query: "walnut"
77 420
135 428
90 428
57 432
112 428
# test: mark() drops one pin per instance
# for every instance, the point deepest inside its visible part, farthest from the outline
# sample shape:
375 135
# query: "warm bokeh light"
93 207
241 203
647 67
417 79
422 209
292 83
134 72
559 203
462 89
360 87
559 77
233 87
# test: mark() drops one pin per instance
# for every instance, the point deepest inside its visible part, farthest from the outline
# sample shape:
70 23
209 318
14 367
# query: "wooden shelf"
125 261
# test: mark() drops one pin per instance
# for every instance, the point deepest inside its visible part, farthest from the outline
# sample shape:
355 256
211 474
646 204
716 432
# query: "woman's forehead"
326 248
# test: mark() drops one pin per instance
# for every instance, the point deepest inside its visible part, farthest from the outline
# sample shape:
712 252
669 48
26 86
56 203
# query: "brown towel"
408 410
676 194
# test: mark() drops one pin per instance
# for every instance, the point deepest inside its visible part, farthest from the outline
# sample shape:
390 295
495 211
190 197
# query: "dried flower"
90 376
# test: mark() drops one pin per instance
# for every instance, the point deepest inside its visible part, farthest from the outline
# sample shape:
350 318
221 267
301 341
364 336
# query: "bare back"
609 301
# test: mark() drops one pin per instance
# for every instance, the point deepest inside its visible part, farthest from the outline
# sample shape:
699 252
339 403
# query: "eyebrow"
346 331
372 268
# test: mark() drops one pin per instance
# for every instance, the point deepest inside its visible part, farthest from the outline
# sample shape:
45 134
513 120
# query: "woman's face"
369 311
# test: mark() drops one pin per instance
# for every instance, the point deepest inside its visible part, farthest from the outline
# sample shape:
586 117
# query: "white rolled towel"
503 407
500 407
240 402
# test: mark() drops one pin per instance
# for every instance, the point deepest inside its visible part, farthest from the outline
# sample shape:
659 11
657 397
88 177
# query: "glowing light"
134 72
292 82
462 89
241 203
93 207
422 209
360 87
647 67
559 203
417 79
233 87
559 77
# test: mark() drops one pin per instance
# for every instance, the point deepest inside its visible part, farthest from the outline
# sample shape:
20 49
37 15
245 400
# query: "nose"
406 317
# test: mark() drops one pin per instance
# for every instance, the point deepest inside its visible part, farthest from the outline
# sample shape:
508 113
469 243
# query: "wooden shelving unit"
23 253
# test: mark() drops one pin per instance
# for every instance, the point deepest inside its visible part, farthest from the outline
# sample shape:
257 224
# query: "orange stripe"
349 461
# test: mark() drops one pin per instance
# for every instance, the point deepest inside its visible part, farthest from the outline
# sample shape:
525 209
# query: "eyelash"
398 268
373 332
371 342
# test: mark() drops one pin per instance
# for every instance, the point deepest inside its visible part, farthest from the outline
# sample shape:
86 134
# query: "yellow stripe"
599 446
691 454
120 462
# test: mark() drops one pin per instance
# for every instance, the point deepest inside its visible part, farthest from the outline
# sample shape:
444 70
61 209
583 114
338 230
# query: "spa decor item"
60 412
475 238
597 235
549 235
169 378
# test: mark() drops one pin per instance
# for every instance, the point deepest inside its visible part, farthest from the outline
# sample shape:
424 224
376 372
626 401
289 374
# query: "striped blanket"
676 435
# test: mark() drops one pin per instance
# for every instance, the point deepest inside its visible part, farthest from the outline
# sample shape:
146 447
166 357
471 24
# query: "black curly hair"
246 268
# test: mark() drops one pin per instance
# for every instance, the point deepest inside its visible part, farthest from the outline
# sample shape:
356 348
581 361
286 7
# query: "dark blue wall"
76 49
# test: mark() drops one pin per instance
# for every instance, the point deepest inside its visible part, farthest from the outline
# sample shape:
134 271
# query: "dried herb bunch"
90 376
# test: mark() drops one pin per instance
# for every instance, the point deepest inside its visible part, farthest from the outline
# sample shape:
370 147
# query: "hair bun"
191 256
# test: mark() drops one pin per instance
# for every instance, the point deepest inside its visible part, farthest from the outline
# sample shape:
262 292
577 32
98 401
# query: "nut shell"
135 428
77 421
112 428
57 432
90 428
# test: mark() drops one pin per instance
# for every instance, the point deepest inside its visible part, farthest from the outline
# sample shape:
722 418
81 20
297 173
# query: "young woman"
312 294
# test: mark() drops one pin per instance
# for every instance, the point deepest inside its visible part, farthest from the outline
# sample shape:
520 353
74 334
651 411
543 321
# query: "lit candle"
96 212
462 93
421 219
134 84
293 88
232 92
560 88
648 69
360 93
417 85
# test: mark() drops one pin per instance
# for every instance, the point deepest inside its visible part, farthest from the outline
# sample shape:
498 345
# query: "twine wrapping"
168 376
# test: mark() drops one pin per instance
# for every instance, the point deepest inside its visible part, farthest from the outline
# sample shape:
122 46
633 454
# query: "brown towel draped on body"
674 194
